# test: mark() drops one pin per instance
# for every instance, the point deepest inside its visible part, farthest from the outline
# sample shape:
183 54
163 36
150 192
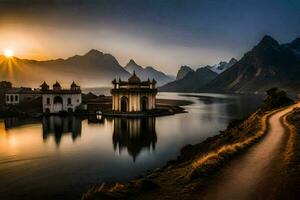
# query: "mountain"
183 71
191 82
267 65
91 69
148 72
222 66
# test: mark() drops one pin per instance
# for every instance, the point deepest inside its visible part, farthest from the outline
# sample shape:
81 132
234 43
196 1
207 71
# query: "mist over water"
60 157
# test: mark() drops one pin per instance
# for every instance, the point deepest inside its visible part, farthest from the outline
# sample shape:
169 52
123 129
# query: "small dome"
56 85
74 85
134 79
44 85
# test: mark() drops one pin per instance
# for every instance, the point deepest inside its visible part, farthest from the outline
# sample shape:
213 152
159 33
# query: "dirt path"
257 173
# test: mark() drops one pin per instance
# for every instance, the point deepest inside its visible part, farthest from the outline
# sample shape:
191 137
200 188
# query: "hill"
91 69
191 82
148 72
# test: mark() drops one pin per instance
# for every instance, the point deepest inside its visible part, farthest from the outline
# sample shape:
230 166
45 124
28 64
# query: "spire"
44 86
56 86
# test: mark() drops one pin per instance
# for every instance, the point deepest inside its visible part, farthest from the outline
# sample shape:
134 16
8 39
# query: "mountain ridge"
91 69
268 64
190 82
147 72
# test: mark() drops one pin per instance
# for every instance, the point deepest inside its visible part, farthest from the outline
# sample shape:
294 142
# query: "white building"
58 99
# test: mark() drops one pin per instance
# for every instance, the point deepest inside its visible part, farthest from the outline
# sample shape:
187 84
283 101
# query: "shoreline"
185 176
164 107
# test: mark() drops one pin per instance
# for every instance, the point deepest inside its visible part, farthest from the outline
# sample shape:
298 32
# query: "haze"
165 34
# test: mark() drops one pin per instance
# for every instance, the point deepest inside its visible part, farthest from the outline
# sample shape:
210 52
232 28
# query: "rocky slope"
183 71
267 65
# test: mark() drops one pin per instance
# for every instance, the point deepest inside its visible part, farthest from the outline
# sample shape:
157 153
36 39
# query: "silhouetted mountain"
92 69
267 65
183 71
148 72
222 66
191 82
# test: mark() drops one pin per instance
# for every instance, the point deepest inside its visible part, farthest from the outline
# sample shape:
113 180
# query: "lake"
60 157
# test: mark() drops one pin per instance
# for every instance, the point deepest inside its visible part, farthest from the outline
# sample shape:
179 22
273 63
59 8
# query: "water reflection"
14 122
134 135
59 126
96 119
34 169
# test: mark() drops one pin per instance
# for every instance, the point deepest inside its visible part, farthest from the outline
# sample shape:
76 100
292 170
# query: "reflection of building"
13 122
134 134
133 95
59 126
58 99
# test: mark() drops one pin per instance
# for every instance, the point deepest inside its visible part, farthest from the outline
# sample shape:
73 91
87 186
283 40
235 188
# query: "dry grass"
212 160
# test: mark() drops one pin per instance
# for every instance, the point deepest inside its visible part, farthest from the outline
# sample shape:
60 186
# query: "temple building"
133 95
57 99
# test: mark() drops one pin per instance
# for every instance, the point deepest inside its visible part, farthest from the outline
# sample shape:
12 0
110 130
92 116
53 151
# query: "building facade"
57 100
15 96
133 95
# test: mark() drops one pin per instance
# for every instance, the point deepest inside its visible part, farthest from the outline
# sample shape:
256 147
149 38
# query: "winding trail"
256 174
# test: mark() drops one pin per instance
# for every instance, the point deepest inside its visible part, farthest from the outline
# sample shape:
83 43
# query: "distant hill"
191 82
148 72
92 69
267 65
222 66
183 71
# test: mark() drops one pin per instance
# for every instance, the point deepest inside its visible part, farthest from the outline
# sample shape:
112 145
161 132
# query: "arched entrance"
57 104
124 104
144 103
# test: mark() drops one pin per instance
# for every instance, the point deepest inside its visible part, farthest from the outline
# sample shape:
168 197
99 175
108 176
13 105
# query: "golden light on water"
8 53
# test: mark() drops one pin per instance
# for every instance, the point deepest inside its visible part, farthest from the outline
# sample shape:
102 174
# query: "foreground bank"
193 172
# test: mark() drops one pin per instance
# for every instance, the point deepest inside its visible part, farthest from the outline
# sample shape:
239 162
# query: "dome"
134 79
56 85
44 85
74 85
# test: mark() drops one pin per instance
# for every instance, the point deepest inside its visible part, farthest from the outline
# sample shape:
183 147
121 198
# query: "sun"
8 53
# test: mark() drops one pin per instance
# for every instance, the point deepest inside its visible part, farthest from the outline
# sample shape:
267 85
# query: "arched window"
124 104
58 99
48 100
69 101
11 98
16 98
144 103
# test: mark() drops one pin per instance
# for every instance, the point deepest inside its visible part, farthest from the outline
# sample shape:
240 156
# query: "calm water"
59 158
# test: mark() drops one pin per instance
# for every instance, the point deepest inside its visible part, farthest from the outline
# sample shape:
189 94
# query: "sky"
161 33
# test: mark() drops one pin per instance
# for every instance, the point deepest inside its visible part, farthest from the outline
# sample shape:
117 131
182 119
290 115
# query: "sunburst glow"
8 53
